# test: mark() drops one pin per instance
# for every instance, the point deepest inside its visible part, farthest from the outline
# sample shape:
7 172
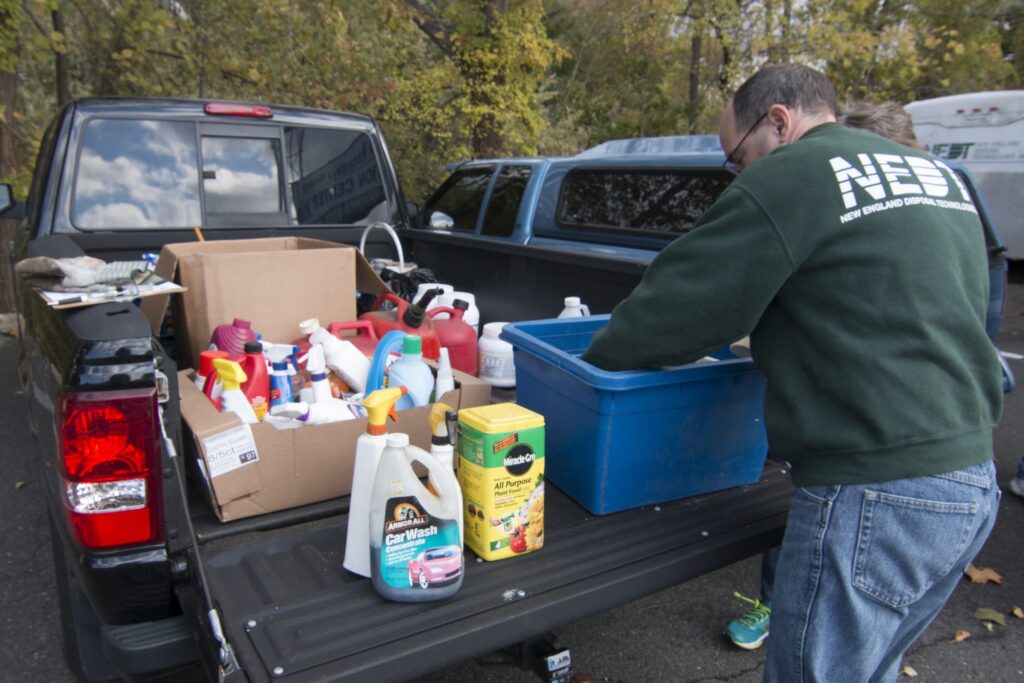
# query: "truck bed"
291 612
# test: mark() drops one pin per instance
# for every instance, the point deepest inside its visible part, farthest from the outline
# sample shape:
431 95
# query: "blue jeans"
864 569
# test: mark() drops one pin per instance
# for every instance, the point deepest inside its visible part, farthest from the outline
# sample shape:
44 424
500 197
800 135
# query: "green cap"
411 344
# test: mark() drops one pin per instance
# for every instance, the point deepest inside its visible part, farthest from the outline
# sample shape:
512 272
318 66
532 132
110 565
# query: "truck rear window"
137 174
631 201
460 197
242 175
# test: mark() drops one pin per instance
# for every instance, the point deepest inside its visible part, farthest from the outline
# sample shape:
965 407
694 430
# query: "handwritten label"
230 450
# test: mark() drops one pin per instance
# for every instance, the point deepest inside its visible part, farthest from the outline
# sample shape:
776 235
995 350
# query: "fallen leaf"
961 636
989 626
1017 612
982 574
908 671
986 615
20 484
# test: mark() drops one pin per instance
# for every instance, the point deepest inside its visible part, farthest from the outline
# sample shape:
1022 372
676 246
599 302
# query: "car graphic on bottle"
435 566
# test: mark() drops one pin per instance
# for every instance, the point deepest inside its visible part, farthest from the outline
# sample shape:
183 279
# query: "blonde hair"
887 119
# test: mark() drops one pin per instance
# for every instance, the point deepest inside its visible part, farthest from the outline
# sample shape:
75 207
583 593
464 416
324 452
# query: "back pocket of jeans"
906 544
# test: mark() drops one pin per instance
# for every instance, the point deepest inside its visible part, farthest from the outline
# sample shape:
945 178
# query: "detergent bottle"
415 536
411 371
232 398
341 356
380 405
411 319
256 387
232 338
457 336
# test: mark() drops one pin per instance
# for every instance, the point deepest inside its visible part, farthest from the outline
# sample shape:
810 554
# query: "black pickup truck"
150 582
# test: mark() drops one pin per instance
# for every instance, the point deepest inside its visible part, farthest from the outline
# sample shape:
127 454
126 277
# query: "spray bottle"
380 405
443 423
280 356
317 367
445 381
232 399
335 410
415 536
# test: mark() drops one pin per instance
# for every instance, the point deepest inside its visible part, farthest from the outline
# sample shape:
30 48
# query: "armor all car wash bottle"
415 536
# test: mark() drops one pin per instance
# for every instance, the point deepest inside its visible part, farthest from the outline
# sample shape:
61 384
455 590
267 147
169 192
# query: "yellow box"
501 472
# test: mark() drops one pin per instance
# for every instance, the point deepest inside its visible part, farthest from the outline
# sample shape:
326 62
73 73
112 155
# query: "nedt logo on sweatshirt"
892 181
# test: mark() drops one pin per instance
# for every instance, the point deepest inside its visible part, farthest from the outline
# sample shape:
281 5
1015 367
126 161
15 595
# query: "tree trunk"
63 84
693 106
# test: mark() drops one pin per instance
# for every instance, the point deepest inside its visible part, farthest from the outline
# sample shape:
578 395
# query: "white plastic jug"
573 308
497 363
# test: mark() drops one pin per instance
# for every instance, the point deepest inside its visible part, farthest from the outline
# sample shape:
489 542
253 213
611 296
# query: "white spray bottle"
443 422
231 398
380 405
341 356
415 537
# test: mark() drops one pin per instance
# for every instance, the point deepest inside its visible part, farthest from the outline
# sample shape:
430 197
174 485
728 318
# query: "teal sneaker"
750 630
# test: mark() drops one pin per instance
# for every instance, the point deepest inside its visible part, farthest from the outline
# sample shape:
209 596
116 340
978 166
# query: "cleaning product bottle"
443 422
444 382
497 362
412 372
457 336
282 359
232 338
256 387
317 367
411 319
232 398
573 308
380 405
341 356
335 410
365 337
206 371
415 536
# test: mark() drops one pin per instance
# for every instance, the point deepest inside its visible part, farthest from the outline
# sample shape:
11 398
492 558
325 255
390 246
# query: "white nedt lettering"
932 179
956 181
891 167
867 178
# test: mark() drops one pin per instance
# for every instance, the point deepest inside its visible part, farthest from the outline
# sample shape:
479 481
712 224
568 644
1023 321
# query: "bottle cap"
206 361
493 329
253 347
243 323
411 344
460 303
398 440
308 327
572 301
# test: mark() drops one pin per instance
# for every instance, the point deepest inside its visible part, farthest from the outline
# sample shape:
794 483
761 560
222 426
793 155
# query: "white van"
985 132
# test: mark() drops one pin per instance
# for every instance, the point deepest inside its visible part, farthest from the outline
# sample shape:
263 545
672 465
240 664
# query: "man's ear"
780 120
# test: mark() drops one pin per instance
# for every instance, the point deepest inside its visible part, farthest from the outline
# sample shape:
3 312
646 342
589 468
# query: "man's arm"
703 291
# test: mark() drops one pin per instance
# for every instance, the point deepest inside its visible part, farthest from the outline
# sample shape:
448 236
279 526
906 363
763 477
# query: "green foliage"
454 79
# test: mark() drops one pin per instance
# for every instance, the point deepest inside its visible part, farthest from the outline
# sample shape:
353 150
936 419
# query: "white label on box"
230 450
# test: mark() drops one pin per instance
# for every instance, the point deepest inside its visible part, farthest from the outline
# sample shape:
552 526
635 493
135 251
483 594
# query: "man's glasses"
729 163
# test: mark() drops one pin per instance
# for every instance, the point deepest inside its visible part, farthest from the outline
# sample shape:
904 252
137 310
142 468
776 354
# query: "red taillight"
111 466
255 111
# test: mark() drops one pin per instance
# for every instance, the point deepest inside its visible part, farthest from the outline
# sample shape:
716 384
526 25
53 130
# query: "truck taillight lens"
111 465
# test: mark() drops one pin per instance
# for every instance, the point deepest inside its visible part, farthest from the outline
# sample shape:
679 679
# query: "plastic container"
256 387
423 288
415 536
501 471
457 336
365 338
411 319
232 338
626 439
341 356
445 381
497 363
232 398
472 316
206 369
412 372
573 308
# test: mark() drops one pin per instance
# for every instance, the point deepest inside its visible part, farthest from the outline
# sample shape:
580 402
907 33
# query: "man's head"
774 107
887 119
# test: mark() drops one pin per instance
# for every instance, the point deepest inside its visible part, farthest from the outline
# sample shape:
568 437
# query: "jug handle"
441 309
585 309
360 326
444 477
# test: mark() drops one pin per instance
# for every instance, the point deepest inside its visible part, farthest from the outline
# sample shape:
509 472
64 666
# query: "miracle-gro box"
619 440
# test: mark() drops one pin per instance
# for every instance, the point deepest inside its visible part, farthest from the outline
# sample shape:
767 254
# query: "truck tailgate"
292 612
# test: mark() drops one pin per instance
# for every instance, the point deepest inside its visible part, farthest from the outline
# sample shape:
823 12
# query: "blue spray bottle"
280 356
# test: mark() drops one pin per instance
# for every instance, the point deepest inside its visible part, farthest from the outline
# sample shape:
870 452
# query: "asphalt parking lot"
674 635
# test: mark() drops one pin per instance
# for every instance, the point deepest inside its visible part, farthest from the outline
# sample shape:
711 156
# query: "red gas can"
411 319
457 336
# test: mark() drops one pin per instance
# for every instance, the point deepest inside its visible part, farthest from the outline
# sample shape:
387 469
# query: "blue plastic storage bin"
619 440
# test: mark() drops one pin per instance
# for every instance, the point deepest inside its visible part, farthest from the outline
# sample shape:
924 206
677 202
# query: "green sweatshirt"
858 267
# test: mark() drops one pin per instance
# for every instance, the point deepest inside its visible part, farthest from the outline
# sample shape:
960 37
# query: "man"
892 121
857 267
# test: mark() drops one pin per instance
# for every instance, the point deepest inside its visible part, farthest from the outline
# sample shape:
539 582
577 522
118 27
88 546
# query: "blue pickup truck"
595 219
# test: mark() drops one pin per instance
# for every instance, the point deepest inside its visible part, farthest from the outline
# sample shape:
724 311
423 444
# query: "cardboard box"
279 469
254 469
275 282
